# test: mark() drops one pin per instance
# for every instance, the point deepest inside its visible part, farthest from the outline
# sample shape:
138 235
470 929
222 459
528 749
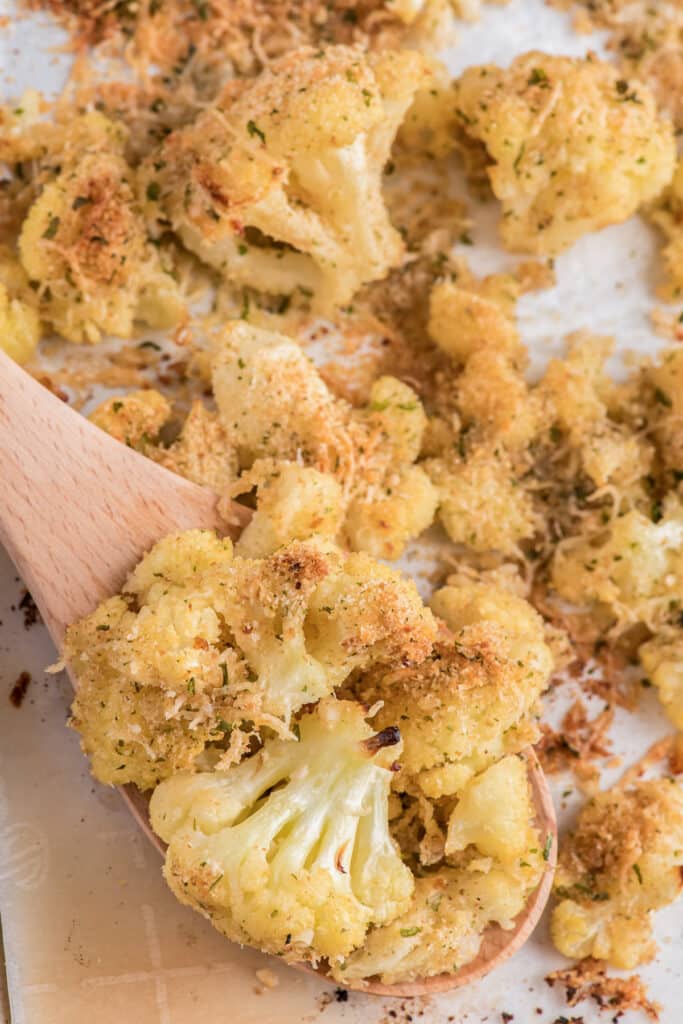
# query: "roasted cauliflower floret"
662 659
396 415
84 244
430 124
579 397
20 329
368 613
365 459
299 421
465 602
278 185
664 381
392 513
495 402
293 503
480 502
667 214
622 862
634 567
470 314
134 419
573 146
394 500
471 701
451 908
202 647
290 851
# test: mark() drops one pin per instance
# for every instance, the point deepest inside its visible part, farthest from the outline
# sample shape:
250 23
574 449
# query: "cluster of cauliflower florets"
276 184
338 769
330 760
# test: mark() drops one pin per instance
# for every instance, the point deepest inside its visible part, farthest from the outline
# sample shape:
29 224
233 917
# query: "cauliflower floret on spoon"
472 700
278 186
290 851
495 859
202 649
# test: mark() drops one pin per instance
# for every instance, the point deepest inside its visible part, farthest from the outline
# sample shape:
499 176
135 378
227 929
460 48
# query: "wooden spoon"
78 512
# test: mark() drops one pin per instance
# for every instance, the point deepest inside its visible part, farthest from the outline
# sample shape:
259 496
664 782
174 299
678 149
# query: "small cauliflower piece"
662 659
365 459
622 862
667 215
203 452
573 146
300 420
134 419
293 503
203 648
396 414
20 328
634 567
480 503
579 397
577 388
290 851
495 401
394 500
471 701
278 185
430 124
494 813
664 380
392 513
84 244
368 613
470 314
465 602
443 928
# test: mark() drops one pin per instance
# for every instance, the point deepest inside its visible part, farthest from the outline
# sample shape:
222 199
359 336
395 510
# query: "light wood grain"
77 512
77 508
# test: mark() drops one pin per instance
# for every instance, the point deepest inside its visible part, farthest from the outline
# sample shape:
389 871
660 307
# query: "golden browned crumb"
197 34
579 740
588 979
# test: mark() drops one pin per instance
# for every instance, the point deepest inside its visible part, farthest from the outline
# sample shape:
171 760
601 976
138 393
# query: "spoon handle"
77 508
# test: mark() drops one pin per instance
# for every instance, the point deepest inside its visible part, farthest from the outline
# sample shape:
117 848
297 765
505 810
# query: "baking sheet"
91 934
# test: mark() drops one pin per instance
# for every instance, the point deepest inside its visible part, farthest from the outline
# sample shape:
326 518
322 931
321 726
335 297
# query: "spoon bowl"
79 510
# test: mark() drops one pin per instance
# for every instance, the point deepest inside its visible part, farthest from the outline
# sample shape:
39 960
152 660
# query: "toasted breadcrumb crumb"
588 979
